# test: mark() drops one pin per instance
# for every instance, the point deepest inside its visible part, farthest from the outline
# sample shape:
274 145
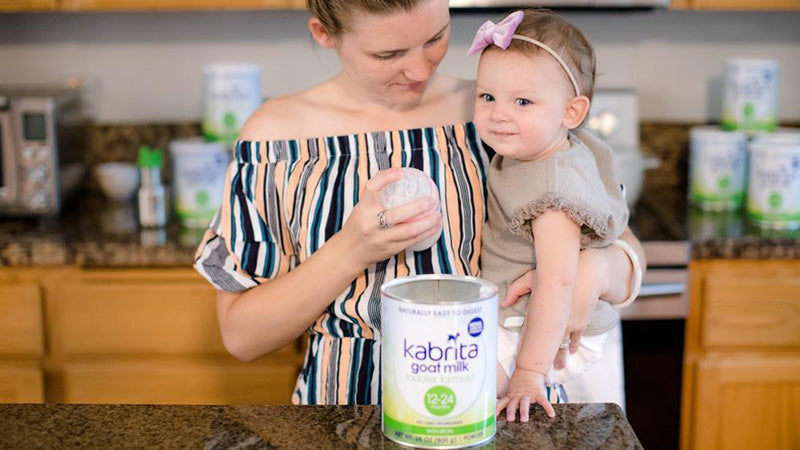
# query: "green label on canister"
439 359
717 169
773 197
750 95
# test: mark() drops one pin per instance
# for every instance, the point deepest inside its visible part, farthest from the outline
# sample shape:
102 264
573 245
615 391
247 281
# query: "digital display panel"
33 127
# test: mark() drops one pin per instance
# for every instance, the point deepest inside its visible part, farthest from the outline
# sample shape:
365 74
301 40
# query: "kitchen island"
285 427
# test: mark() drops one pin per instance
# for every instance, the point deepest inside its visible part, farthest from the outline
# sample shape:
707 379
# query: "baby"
552 192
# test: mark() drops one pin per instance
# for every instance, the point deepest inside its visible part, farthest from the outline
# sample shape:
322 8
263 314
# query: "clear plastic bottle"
152 197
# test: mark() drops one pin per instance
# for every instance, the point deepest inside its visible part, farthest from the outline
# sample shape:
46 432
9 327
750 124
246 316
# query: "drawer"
21 327
102 315
178 382
751 312
21 382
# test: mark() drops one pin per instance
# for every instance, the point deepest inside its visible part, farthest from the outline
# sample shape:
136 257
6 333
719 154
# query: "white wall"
147 66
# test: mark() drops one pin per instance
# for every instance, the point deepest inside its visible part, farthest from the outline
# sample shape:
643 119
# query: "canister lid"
231 68
195 145
715 134
779 136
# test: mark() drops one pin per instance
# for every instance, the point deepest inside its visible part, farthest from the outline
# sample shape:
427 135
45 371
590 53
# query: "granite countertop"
289 427
101 234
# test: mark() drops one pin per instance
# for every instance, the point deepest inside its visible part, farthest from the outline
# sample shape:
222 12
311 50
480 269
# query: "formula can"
750 95
773 197
717 168
198 177
439 360
231 93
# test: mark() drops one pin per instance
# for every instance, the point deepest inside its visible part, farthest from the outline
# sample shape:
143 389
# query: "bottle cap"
149 158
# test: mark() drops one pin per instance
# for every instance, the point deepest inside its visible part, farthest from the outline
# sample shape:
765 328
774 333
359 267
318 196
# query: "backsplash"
120 142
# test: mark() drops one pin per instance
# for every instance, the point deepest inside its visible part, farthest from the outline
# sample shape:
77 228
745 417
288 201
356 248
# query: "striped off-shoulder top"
285 198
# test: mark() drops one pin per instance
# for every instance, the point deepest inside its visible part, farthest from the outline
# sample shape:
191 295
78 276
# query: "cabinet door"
21 382
21 327
747 402
28 5
178 5
746 4
136 313
179 381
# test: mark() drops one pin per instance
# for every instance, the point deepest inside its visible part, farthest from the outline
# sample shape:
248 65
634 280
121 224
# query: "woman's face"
392 56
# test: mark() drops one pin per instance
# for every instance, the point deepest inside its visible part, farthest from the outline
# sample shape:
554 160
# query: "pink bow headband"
501 35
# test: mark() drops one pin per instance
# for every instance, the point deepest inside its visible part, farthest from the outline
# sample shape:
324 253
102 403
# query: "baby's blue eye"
523 102
487 97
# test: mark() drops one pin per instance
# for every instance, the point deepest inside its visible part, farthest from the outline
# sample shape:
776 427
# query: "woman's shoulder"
277 118
313 113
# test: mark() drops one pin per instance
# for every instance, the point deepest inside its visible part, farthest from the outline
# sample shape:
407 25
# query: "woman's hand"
592 282
409 223
525 386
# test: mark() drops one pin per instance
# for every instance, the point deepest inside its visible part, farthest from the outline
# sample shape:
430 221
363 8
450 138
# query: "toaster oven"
42 137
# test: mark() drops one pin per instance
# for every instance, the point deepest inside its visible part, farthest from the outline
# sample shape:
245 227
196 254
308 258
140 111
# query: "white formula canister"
231 93
439 360
198 176
750 97
717 168
773 196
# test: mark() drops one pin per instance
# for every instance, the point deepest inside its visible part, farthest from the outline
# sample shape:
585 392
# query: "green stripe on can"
391 426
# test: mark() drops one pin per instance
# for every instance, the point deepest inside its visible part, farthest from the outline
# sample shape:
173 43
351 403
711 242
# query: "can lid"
714 133
196 144
779 136
230 68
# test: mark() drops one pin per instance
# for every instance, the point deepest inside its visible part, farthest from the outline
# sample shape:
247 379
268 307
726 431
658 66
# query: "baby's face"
521 102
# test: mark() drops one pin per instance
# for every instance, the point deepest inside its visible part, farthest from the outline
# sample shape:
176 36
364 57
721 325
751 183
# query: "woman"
298 244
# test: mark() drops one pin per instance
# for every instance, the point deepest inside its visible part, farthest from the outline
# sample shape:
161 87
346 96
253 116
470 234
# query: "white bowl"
119 181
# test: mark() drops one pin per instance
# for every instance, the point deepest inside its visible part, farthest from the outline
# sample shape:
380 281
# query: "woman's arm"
267 317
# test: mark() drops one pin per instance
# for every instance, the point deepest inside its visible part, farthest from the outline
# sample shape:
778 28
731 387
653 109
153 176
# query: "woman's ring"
382 220
565 344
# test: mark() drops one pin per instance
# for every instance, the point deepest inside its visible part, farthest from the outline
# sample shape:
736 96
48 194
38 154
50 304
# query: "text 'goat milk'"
439 360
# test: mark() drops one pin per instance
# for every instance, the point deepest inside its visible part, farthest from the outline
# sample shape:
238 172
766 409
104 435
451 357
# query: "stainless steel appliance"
560 3
42 136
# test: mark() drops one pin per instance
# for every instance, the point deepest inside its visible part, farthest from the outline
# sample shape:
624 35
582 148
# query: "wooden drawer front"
749 312
747 403
178 382
21 383
21 329
136 318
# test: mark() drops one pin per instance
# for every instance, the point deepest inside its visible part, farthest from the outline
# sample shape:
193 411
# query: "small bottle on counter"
152 197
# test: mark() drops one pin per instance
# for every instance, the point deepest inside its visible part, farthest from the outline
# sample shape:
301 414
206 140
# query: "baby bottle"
414 184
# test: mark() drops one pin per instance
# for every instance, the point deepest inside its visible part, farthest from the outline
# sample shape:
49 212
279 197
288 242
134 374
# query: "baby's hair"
569 42
335 15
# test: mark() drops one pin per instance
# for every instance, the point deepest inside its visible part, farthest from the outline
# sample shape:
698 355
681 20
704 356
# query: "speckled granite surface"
95 233
285 427
98 233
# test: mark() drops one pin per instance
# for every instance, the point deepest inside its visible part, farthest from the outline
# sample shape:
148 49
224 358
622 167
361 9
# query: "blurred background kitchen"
99 301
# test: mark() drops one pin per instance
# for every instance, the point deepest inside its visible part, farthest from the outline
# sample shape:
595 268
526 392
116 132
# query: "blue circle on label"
475 327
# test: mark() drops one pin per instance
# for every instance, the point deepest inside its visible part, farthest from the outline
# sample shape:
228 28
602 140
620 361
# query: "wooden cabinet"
151 336
21 339
741 383
177 5
28 5
126 336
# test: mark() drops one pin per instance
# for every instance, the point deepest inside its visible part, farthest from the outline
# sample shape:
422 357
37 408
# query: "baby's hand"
525 385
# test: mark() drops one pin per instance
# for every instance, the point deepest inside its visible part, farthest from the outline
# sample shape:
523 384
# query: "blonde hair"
335 15
563 38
